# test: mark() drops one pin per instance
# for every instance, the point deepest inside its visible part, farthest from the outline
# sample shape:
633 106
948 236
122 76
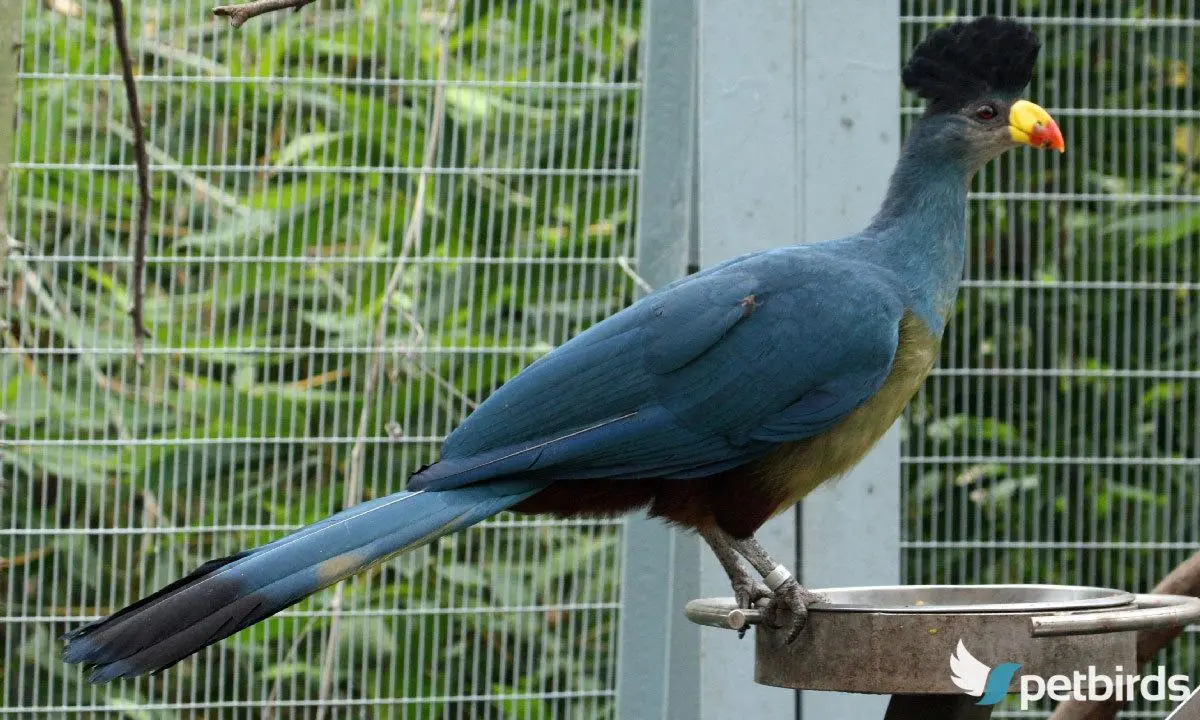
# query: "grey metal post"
798 133
849 531
748 180
797 130
658 657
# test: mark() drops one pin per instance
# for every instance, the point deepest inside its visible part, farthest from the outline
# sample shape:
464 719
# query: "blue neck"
920 231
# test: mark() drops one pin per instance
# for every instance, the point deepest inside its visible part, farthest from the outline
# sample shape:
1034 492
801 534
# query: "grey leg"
746 589
789 595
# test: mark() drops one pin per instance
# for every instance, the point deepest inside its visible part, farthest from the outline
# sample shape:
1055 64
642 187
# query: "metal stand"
936 707
899 640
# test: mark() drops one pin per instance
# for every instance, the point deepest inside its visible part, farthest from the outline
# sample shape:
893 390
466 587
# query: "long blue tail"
224 596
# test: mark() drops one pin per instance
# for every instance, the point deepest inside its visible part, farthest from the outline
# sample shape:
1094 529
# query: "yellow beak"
1030 124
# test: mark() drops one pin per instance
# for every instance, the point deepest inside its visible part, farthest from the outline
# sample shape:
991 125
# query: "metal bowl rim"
1096 598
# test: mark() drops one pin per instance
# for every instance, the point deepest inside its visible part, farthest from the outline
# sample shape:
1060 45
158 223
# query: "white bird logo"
967 672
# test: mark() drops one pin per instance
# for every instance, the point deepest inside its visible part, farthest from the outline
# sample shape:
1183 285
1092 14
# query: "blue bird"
713 403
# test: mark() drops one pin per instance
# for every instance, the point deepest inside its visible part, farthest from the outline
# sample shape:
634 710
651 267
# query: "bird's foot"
750 593
789 608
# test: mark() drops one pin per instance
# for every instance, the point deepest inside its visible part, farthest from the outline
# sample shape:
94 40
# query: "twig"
623 263
137 312
239 14
10 60
411 234
416 335
193 181
38 288
1183 580
443 383
277 686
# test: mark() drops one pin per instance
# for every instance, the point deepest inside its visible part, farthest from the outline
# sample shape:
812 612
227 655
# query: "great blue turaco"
713 403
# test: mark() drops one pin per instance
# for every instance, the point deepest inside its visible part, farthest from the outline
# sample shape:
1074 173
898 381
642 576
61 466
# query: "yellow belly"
795 469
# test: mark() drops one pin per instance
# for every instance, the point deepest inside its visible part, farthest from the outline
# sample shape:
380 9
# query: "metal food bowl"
899 639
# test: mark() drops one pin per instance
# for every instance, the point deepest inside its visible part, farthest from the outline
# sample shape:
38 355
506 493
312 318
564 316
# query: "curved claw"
799 620
789 607
749 593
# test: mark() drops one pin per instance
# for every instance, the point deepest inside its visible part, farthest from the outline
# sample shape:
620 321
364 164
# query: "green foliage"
1058 431
287 156
1058 442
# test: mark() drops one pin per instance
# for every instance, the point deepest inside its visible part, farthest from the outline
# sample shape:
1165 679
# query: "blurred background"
1056 441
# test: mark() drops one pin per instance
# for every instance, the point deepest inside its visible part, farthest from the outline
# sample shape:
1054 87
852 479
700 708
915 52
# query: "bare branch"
412 234
239 14
1183 580
623 263
138 281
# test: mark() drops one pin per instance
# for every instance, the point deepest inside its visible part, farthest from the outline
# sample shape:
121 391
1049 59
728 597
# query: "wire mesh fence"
1056 440
291 162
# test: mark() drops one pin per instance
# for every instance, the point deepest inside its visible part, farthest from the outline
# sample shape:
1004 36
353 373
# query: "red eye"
986 112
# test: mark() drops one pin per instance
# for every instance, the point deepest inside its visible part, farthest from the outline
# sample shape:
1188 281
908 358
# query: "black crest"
964 61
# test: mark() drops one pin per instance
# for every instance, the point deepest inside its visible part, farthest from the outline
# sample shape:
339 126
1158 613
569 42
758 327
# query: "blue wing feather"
692 379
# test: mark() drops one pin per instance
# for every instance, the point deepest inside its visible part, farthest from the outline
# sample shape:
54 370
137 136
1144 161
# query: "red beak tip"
1048 137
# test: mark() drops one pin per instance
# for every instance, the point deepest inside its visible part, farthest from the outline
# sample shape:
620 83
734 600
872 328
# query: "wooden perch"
239 14
1183 580
138 279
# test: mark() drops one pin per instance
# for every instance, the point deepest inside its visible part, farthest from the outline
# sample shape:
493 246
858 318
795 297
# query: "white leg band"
777 577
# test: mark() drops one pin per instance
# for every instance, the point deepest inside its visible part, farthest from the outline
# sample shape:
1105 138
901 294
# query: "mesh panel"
1056 440
286 163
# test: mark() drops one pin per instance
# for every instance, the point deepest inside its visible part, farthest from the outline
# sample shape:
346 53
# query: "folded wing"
704 375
